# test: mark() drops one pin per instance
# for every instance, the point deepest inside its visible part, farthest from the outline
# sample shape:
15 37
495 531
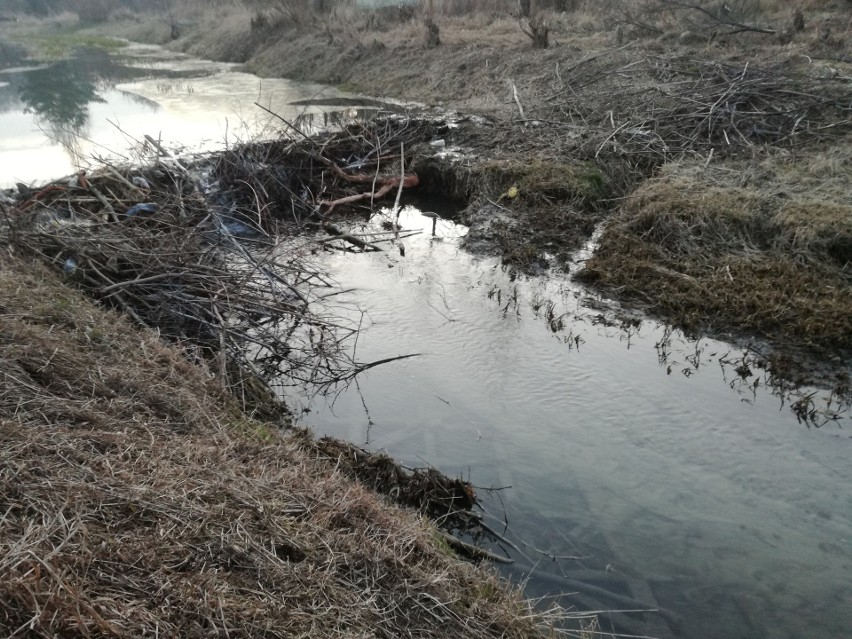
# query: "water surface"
95 106
676 482
670 479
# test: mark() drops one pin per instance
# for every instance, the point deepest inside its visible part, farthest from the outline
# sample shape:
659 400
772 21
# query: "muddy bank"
140 498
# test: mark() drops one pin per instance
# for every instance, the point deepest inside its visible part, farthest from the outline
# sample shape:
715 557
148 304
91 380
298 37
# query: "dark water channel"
674 482
657 475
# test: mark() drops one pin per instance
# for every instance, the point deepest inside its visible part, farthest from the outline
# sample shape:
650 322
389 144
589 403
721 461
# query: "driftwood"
388 184
338 234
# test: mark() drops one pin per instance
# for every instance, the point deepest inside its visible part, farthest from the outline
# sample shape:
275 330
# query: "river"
633 465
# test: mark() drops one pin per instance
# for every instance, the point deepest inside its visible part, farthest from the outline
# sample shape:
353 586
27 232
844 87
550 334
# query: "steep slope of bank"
139 500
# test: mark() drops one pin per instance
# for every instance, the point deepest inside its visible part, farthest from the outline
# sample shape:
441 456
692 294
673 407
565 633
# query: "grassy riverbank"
138 499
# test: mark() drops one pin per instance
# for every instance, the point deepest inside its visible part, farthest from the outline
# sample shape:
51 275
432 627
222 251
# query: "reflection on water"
697 493
56 103
96 106
59 95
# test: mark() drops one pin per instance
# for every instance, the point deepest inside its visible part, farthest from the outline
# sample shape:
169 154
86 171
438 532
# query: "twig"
517 100
474 552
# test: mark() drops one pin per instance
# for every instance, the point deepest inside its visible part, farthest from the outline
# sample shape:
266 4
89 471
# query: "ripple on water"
709 503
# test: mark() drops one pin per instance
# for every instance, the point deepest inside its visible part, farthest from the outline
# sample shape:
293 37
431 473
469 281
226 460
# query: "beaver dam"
147 485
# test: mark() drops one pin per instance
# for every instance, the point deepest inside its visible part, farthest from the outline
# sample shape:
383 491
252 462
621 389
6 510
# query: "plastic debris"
140 209
238 229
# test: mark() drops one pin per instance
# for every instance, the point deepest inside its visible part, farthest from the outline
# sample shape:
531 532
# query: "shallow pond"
634 467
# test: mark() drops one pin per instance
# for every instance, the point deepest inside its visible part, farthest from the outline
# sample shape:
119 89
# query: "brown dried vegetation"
770 255
138 500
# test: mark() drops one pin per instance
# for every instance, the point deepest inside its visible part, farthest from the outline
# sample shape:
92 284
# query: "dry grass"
138 501
770 255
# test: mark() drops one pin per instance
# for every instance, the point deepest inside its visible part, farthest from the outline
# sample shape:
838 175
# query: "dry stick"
138 280
363 367
352 239
340 235
122 179
399 190
610 136
118 298
223 353
157 146
589 58
731 23
517 100
400 237
376 234
107 206
474 552
296 129
388 185
376 175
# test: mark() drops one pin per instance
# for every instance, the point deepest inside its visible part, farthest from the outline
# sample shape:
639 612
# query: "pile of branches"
725 18
196 250
443 499
163 255
447 501
661 108
302 181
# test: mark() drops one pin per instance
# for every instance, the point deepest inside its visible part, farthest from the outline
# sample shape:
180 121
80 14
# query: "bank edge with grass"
139 498
612 105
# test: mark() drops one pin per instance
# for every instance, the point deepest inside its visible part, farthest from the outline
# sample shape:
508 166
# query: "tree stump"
433 34
798 21
538 32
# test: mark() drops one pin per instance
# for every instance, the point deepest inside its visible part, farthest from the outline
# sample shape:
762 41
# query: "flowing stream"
674 482
635 468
